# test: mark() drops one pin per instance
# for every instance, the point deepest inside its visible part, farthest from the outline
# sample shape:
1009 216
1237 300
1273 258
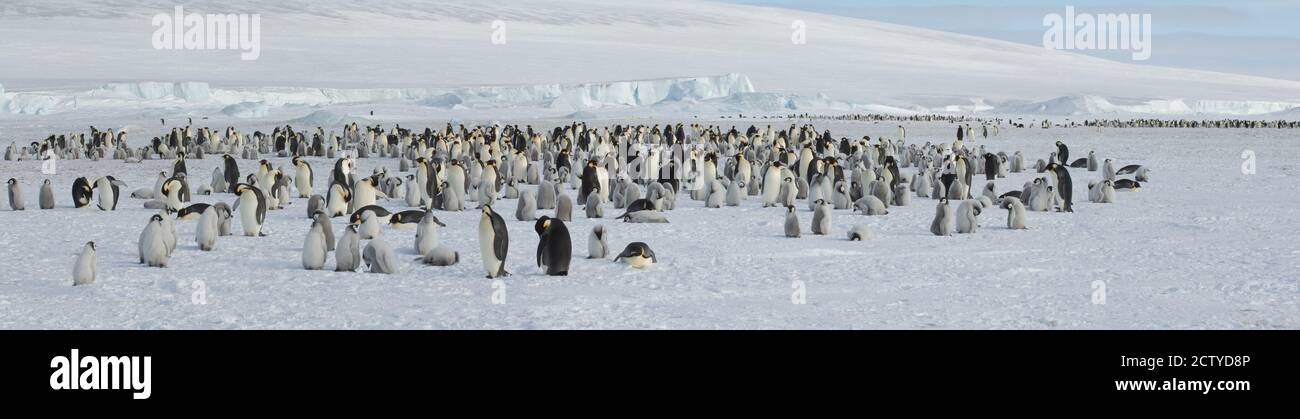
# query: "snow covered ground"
1201 246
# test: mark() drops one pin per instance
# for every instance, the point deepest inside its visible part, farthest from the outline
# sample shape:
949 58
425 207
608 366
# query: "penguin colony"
640 171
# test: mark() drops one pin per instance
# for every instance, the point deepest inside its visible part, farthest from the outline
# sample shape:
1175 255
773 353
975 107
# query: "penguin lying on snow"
379 257
860 232
637 255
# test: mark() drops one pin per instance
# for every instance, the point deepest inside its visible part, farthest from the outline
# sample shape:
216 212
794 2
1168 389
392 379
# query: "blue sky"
1257 37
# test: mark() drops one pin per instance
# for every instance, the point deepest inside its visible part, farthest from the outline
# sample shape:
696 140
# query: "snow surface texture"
573 55
1201 246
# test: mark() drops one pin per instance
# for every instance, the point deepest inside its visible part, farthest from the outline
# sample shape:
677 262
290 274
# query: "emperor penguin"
593 207
1108 170
1064 185
546 195
347 257
1015 213
716 196
379 257
364 193
736 193
860 232
315 204
252 209
83 273
231 172
16 195
369 225
224 216
426 233
942 224
563 207
441 256
153 245
637 255
171 193
494 242
413 190
967 212
870 205
792 228
526 208
1092 161
328 228
336 203
771 184
47 195
1062 153
597 243
554 246
302 178
82 191
206 233
107 193
902 196
1102 192
821 223
313 249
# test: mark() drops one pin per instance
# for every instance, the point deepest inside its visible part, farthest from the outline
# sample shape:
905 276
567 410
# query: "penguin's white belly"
248 216
638 262
485 238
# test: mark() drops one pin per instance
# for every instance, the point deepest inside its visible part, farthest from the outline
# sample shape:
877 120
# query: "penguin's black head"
12 181
91 244
156 217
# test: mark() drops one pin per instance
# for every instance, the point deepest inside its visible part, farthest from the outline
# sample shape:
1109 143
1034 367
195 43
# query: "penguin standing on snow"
206 233
554 246
1062 153
252 208
153 243
967 212
494 242
83 273
1015 213
792 228
942 224
231 172
303 177
47 195
348 255
426 233
1064 186
107 193
313 249
597 243
16 195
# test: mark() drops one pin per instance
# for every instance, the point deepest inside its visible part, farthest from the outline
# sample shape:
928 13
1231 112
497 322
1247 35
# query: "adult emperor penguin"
192 212
16 201
1015 213
494 242
313 248
47 195
426 234
364 193
771 184
1062 153
206 233
83 273
1064 186
252 208
942 224
379 257
348 255
231 172
967 212
108 193
597 243
171 193
792 228
336 203
554 246
302 178
637 255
